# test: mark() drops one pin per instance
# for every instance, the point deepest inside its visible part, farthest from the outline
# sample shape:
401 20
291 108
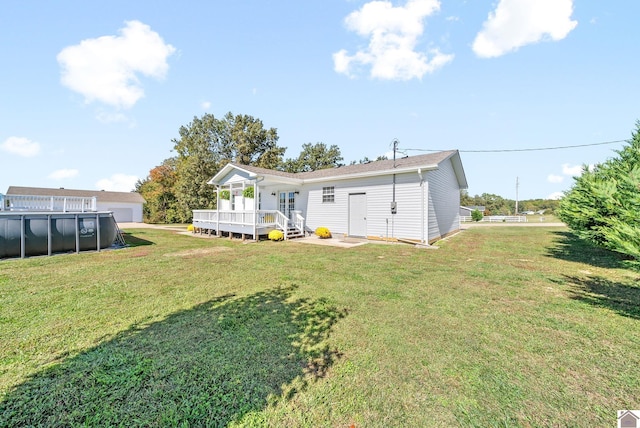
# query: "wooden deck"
253 223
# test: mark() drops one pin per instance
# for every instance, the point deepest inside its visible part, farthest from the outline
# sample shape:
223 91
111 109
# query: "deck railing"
48 203
262 218
298 221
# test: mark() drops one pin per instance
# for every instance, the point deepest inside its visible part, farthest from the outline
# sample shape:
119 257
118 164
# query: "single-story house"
413 198
126 206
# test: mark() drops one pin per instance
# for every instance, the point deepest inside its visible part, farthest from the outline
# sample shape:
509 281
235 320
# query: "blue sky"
93 93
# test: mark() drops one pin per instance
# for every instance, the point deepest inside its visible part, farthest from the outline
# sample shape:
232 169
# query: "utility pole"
517 185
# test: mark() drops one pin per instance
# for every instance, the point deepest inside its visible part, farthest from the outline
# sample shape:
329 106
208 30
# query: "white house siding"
444 200
379 190
407 221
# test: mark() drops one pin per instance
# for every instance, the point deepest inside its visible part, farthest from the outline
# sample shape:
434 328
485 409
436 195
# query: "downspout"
421 205
394 207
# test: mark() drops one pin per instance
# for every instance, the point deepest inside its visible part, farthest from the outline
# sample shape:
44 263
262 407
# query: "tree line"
497 205
204 146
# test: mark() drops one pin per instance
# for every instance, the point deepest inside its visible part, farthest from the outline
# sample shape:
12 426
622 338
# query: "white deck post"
255 210
218 210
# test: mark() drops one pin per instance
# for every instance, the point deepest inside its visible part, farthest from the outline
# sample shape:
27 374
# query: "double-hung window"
328 194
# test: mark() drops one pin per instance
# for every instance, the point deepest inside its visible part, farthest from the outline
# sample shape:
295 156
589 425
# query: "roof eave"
217 179
458 169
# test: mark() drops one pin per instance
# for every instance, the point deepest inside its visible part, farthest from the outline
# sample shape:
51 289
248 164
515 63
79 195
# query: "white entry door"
287 203
358 214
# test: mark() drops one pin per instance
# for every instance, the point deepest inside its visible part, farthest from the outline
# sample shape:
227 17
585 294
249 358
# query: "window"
234 203
328 194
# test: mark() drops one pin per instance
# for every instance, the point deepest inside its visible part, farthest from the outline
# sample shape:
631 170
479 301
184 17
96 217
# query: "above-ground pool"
24 232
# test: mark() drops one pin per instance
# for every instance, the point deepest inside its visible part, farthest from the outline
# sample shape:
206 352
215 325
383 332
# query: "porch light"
273 193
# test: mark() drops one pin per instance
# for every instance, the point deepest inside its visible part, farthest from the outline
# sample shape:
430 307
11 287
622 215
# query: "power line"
525 150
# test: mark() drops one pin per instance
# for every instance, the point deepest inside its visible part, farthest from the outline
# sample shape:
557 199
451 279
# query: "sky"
93 93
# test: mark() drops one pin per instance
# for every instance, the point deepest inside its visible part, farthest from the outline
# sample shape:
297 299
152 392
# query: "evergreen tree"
603 204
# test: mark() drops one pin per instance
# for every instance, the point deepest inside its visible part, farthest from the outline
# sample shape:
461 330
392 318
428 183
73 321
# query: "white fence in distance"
497 219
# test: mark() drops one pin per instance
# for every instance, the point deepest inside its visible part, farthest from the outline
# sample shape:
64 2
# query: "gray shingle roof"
101 195
430 159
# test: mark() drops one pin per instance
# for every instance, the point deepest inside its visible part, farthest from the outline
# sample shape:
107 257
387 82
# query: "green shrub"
276 235
476 215
225 194
323 232
248 192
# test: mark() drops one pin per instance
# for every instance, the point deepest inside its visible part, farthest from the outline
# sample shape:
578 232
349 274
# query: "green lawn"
508 326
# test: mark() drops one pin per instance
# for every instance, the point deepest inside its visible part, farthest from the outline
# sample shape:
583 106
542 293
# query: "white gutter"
422 189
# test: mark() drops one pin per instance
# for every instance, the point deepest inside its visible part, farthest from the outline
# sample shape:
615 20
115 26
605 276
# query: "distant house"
126 206
416 198
466 211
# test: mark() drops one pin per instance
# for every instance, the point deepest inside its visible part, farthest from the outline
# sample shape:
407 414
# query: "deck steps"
293 232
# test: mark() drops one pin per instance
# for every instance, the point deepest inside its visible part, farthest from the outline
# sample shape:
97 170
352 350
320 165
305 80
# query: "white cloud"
20 146
61 174
552 178
118 183
516 23
393 34
106 69
556 196
572 170
206 105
